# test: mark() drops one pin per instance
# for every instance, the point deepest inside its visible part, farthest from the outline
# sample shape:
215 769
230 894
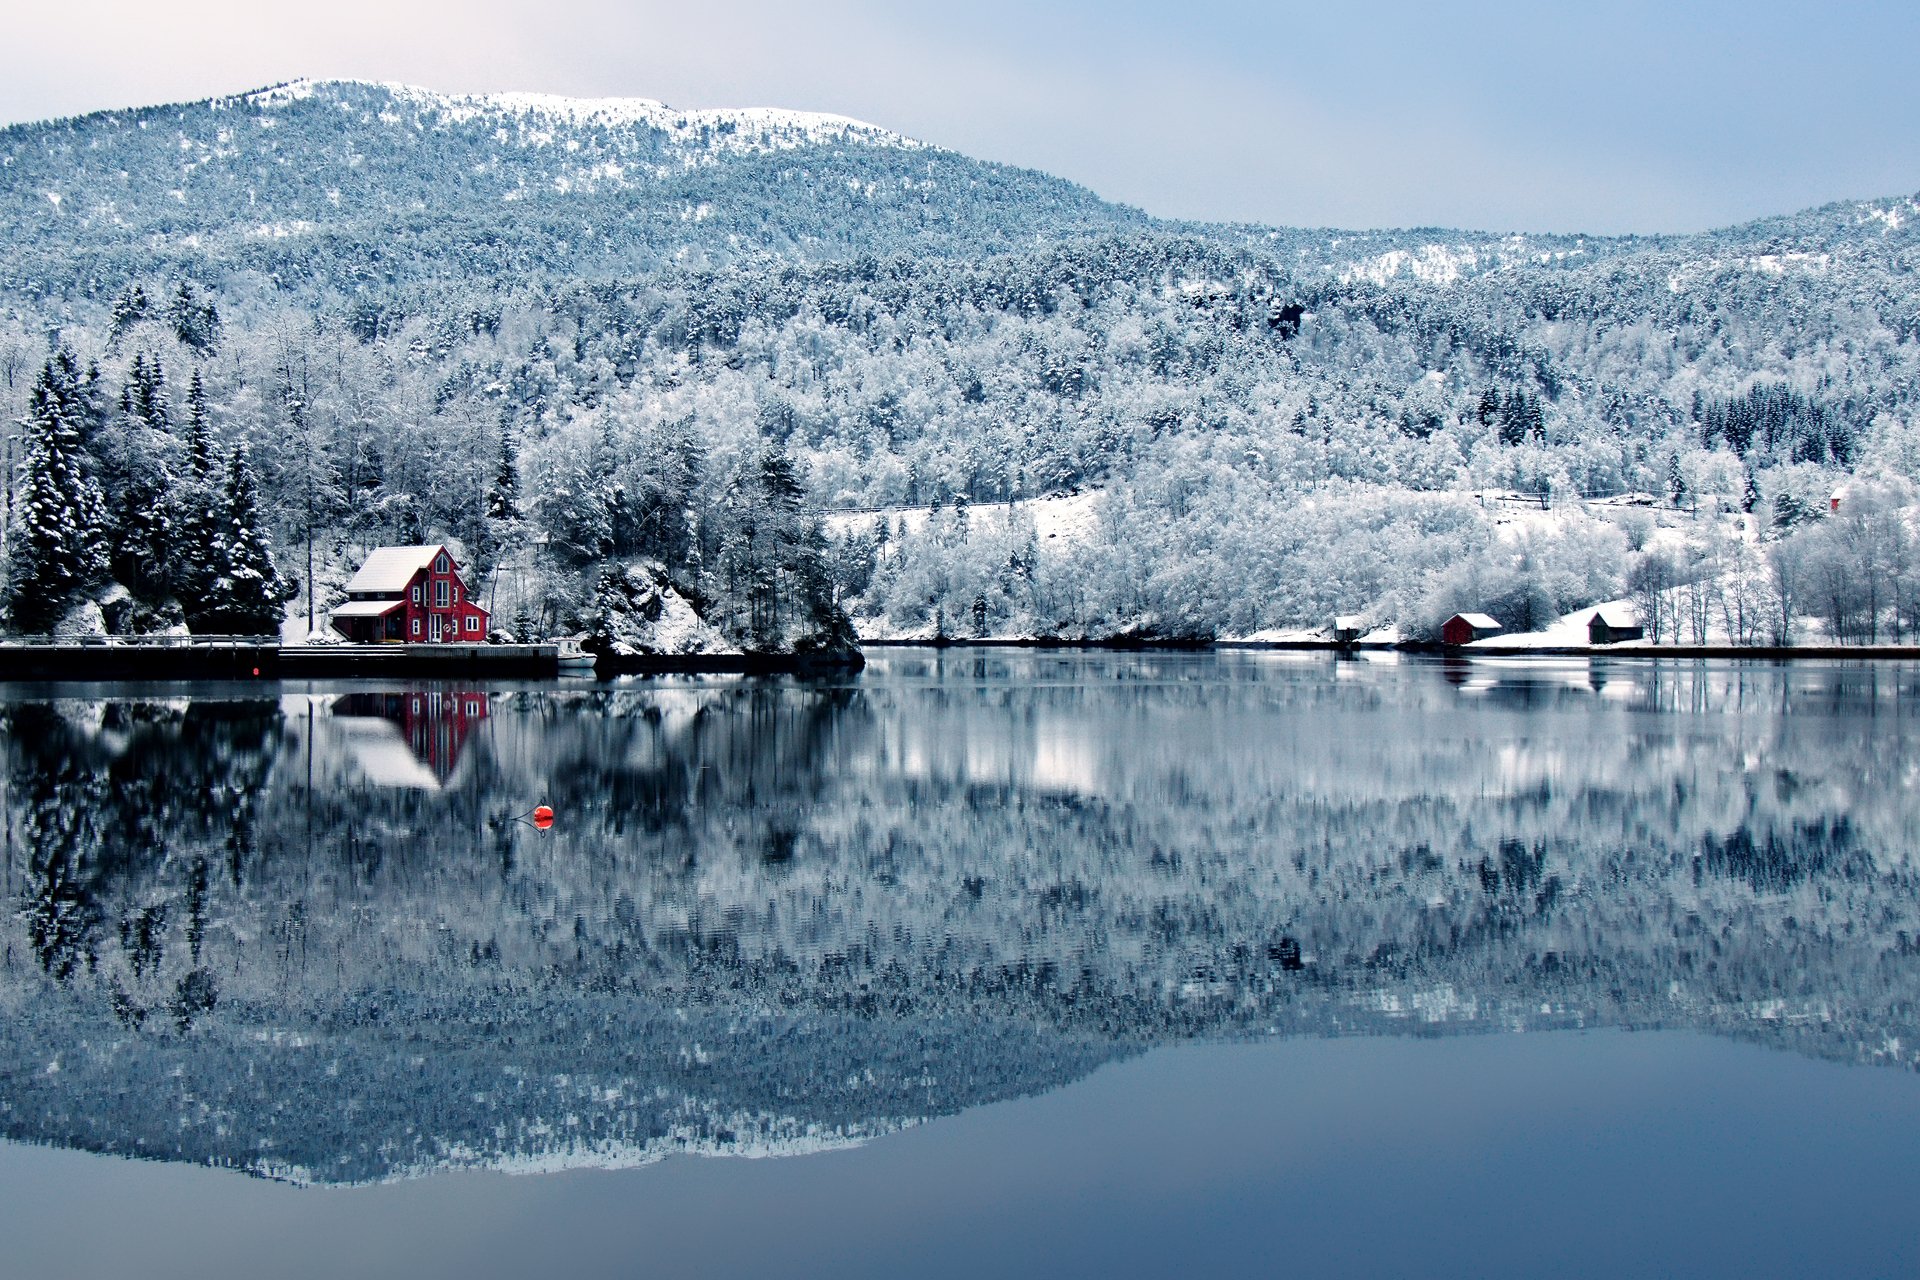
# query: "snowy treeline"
468 336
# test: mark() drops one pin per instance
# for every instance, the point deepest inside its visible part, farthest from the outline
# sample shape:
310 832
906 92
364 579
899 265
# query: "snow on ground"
1280 635
1567 632
739 130
1074 517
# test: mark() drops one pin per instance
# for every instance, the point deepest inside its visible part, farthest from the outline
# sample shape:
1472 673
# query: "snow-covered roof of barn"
1615 615
366 608
391 568
1479 621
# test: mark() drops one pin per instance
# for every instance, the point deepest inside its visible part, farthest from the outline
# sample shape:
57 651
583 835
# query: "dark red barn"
410 595
1465 628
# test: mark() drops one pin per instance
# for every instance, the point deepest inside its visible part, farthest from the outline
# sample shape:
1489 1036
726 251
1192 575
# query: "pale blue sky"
1629 116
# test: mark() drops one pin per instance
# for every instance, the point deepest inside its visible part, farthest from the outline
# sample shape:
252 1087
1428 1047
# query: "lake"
1021 962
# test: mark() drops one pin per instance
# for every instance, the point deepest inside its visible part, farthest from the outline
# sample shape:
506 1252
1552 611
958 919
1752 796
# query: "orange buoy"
542 817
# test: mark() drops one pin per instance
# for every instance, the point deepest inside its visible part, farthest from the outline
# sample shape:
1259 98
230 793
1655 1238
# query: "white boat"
575 661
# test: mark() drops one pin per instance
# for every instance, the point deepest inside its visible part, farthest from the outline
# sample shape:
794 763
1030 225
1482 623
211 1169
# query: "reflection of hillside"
948 881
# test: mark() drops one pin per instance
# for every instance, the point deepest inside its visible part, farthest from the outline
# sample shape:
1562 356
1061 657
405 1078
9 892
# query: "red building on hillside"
410 595
1465 628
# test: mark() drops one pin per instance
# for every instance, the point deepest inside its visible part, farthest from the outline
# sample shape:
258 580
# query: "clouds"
1628 117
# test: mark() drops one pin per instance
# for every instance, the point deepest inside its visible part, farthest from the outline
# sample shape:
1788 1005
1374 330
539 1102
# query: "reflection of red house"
432 723
410 595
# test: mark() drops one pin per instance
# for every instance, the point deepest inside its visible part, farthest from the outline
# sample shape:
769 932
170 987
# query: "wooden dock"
260 658
420 661
117 658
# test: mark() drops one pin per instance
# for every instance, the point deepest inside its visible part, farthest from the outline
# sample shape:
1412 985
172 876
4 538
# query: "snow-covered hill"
627 306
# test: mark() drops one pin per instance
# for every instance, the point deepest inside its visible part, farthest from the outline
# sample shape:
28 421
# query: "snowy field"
1071 518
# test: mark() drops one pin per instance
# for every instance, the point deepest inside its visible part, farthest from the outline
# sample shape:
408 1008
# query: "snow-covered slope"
581 125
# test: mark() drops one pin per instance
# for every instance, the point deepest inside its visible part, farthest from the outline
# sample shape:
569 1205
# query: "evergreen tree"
503 495
143 544
129 309
1751 497
246 591
195 323
200 455
144 396
1488 410
58 543
195 503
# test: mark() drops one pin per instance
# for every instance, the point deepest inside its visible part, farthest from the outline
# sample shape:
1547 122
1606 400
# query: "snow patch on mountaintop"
736 130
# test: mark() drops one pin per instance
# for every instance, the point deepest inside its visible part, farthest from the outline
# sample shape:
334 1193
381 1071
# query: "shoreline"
246 660
98 661
1631 649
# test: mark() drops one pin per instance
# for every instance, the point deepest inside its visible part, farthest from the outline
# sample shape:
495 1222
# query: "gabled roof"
392 568
1478 621
1615 616
367 608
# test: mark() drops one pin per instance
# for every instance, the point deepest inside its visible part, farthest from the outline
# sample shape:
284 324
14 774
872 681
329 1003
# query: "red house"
1465 628
410 595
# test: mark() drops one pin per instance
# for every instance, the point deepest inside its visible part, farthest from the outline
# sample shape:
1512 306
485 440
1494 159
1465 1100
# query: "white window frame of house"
456 593
440 594
440 564
473 622
416 593
416 626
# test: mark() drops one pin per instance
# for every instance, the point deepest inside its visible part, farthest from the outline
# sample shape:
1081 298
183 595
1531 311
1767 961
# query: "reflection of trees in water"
1137 852
118 819
798 836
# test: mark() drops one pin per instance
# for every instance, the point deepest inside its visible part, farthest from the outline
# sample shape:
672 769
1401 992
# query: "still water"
1027 963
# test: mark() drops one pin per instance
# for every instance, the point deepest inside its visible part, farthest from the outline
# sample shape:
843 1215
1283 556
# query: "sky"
1629 116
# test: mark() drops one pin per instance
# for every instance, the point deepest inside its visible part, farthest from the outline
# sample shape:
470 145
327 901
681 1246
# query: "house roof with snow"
1614 615
390 569
367 608
1478 621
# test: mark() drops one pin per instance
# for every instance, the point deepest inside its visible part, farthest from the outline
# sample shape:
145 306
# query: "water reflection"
312 937
409 739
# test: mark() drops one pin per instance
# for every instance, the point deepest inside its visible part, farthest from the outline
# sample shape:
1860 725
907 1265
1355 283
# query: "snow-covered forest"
607 349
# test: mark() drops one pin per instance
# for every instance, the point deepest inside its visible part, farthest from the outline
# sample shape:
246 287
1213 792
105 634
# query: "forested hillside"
577 336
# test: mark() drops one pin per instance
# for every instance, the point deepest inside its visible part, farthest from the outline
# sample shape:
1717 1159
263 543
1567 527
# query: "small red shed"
410 595
1465 628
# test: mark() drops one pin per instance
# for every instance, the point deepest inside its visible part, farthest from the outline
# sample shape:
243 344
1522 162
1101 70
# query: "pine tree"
129 309
1489 407
1751 498
144 396
246 591
503 495
195 323
58 544
195 503
143 557
200 457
